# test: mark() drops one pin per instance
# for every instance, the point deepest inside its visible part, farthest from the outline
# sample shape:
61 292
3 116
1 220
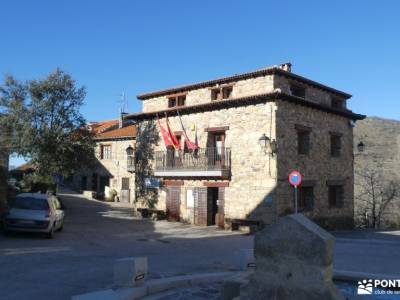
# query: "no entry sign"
295 178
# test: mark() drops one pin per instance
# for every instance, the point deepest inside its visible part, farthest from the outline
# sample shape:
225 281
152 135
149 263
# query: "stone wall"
253 171
253 86
247 87
319 166
313 94
115 168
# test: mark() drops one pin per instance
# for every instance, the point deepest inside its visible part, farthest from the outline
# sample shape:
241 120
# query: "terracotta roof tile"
102 126
124 132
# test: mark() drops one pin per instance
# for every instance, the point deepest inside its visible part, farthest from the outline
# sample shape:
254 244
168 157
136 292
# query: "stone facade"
253 172
114 169
108 172
257 187
319 167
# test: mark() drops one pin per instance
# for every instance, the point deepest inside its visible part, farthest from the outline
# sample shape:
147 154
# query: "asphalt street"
80 258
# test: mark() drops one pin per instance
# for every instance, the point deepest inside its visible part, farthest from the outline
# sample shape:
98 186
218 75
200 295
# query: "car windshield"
30 203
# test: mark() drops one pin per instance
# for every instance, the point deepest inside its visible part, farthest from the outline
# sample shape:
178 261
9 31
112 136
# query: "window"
227 92
221 93
337 103
105 152
215 94
305 198
303 139
178 100
336 144
298 91
336 195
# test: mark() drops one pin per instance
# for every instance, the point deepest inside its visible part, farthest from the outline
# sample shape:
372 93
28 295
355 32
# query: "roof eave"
244 101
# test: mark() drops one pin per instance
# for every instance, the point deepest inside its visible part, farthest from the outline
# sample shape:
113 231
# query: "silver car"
34 213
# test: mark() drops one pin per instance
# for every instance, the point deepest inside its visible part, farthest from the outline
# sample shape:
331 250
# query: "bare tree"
374 193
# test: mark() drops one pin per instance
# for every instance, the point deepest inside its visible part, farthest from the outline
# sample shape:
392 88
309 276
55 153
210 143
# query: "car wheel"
50 234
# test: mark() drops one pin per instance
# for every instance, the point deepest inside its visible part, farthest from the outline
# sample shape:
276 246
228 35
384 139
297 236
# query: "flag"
189 143
164 134
172 136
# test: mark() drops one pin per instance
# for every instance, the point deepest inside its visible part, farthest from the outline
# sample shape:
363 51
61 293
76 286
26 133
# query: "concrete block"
246 259
130 271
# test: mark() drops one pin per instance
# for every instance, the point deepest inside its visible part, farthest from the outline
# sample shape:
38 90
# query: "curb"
155 286
356 276
368 241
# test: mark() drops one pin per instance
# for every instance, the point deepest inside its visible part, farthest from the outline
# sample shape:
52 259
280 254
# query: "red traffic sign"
295 178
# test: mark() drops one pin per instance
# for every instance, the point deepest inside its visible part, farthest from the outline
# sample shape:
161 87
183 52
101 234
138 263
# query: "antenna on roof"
123 103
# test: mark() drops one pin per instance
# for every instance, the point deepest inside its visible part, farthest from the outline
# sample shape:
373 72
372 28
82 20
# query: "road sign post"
295 180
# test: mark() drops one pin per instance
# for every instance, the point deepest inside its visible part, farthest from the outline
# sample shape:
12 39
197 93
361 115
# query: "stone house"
253 129
114 166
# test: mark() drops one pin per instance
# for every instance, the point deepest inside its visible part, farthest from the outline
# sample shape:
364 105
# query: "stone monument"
293 261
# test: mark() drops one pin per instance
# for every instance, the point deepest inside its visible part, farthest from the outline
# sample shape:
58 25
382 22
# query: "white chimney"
286 67
121 119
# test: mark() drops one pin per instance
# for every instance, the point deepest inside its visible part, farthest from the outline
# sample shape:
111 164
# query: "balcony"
203 162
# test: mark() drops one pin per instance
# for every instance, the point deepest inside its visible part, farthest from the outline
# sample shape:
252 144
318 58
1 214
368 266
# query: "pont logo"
365 287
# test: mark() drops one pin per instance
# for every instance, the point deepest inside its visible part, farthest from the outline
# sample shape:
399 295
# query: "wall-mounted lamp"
265 143
129 150
360 147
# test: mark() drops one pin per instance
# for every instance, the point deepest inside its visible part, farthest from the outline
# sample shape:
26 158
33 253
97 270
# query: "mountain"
381 138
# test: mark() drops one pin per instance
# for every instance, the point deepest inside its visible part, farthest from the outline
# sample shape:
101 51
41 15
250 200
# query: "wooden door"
173 203
200 206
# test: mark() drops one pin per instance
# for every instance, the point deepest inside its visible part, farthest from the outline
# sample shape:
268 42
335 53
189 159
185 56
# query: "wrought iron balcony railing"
202 159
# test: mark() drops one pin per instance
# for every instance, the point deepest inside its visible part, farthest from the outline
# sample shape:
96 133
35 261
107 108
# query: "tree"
374 195
45 124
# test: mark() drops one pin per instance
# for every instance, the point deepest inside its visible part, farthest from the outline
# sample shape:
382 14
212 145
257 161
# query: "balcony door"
216 144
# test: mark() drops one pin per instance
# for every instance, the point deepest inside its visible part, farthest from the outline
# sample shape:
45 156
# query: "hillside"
381 138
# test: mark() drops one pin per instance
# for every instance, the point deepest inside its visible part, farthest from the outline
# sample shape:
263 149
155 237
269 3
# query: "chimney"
121 119
286 67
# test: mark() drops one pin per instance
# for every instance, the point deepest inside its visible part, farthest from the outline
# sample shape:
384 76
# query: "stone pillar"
293 261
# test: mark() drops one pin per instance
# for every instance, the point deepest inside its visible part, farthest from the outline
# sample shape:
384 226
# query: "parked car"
34 213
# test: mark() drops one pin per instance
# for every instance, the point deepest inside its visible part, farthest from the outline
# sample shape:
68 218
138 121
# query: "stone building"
253 129
114 167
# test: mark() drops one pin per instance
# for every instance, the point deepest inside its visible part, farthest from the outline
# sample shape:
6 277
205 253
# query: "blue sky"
137 46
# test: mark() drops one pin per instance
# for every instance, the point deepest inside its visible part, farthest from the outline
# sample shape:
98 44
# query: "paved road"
80 259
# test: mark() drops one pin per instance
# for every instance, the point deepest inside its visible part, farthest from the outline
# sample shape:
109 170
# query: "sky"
132 47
